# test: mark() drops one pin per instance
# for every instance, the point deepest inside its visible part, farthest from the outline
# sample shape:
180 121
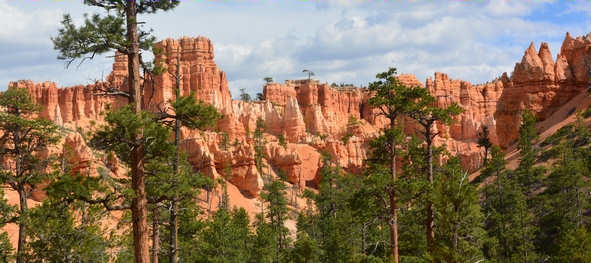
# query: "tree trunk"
393 200
139 206
173 224
139 203
430 213
21 225
155 235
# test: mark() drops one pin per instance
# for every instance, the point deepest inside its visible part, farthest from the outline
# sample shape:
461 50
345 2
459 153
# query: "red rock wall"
315 117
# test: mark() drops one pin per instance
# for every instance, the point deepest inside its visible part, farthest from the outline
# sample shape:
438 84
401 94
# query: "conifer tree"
226 237
392 99
186 112
332 219
564 215
459 233
119 30
25 137
427 114
7 215
528 175
484 142
67 232
508 220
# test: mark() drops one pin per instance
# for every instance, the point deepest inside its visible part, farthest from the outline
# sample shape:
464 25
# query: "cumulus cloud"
342 41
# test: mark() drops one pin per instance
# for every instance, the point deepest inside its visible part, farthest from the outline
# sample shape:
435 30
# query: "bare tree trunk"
393 201
21 225
155 234
139 203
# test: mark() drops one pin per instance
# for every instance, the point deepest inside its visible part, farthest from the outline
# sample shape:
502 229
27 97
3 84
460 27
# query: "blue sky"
346 41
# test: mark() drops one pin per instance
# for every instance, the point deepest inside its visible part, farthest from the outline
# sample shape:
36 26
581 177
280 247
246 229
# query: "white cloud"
345 41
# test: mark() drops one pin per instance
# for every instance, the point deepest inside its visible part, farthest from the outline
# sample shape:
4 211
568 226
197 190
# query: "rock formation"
315 117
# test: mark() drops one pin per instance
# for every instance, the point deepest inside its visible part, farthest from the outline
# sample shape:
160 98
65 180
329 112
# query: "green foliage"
330 226
259 146
100 34
119 135
59 237
282 141
565 198
305 250
345 139
509 222
193 114
225 142
25 137
271 241
529 176
5 248
392 97
459 233
226 237
574 246
484 142
244 96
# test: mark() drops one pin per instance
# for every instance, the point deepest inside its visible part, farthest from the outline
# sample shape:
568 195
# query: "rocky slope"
313 116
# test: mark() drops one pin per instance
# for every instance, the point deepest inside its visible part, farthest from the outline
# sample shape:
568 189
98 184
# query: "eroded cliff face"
314 117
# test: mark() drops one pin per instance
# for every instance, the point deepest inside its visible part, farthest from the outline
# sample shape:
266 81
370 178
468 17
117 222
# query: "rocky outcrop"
542 84
315 117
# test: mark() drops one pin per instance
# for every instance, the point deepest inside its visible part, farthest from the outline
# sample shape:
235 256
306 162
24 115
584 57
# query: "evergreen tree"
25 137
306 250
263 243
427 114
119 30
226 237
484 142
392 99
187 112
5 248
508 220
330 225
7 215
459 235
565 203
529 176
274 195
59 236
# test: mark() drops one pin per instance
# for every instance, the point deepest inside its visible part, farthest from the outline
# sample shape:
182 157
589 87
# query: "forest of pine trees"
412 202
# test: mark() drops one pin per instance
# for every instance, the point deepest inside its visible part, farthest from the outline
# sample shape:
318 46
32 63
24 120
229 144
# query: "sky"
341 41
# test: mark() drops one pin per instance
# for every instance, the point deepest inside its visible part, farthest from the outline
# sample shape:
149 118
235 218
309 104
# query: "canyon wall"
315 117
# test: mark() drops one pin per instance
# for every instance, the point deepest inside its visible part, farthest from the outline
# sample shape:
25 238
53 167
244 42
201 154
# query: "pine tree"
565 202
306 250
484 142
25 137
427 114
459 234
7 215
226 237
59 237
508 220
119 31
529 176
330 224
187 112
274 195
392 99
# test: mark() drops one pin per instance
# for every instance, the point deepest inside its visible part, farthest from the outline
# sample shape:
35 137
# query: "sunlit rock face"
311 116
